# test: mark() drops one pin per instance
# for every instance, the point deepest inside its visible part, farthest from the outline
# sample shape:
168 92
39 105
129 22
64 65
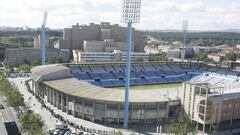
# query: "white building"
116 56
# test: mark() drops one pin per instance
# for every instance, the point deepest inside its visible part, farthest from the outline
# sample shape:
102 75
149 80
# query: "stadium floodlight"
130 15
43 36
45 18
185 28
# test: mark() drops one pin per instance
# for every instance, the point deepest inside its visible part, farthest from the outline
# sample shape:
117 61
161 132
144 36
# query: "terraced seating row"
142 81
118 75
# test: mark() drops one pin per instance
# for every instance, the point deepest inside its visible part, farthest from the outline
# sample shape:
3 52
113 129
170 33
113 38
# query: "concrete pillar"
131 113
54 98
44 90
67 104
83 104
105 115
158 113
51 96
93 118
62 102
118 119
145 114
58 100
74 103
48 96
167 111
33 85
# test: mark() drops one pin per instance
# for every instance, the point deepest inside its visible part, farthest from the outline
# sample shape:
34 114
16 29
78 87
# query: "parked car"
1 106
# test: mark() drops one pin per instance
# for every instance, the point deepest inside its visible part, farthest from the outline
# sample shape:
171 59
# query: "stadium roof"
40 71
83 89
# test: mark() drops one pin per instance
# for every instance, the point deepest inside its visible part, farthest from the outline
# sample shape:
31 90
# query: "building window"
224 107
229 106
237 105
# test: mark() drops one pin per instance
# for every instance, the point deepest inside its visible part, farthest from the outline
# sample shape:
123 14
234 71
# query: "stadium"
94 91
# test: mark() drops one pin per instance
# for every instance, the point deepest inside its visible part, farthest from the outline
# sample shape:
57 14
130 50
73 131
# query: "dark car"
12 128
1 106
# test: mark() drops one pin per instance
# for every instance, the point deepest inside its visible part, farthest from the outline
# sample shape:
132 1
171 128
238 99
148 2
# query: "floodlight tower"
130 15
185 27
43 40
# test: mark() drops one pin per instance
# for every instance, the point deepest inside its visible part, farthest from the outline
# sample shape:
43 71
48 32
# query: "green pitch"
152 87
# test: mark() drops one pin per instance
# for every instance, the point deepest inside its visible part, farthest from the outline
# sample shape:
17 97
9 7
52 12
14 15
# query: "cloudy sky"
155 14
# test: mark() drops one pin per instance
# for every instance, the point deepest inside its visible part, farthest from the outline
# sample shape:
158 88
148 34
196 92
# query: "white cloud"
155 14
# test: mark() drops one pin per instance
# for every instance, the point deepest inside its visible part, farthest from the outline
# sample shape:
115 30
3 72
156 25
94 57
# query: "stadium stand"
112 75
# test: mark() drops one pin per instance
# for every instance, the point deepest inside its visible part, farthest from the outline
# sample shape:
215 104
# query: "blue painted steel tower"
43 45
130 15
43 40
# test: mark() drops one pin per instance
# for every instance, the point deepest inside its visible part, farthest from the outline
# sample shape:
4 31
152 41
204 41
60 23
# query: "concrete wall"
18 56
106 112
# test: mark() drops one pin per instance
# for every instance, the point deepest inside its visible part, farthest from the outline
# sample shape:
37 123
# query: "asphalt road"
7 115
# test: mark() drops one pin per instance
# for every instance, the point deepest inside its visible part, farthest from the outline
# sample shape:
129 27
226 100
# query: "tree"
9 68
59 59
158 57
182 125
23 67
31 123
35 63
201 57
15 98
11 92
232 56
118 133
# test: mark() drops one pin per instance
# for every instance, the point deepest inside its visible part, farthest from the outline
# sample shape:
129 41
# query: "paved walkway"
34 105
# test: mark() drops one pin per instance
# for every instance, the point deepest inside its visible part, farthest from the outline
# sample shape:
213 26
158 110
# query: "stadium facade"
88 90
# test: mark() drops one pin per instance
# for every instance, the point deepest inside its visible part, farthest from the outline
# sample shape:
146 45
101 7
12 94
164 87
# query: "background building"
116 56
48 40
73 38
105 46
23 55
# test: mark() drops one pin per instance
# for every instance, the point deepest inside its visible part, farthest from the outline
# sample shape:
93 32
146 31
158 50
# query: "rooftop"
83 89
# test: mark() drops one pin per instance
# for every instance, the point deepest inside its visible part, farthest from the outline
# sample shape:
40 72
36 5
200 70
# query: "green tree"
31 123
9 68
15 98
23 67
59 58
35 63
182 126
11 92
158 57
118 133
232 56
201 57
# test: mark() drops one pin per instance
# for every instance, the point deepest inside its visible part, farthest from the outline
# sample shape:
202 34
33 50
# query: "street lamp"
185 27
130 15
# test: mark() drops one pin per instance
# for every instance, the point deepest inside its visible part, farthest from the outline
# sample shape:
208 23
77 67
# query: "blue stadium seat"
106 83
118 82
96 83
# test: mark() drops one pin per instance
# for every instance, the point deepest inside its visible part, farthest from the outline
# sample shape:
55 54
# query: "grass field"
153 87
